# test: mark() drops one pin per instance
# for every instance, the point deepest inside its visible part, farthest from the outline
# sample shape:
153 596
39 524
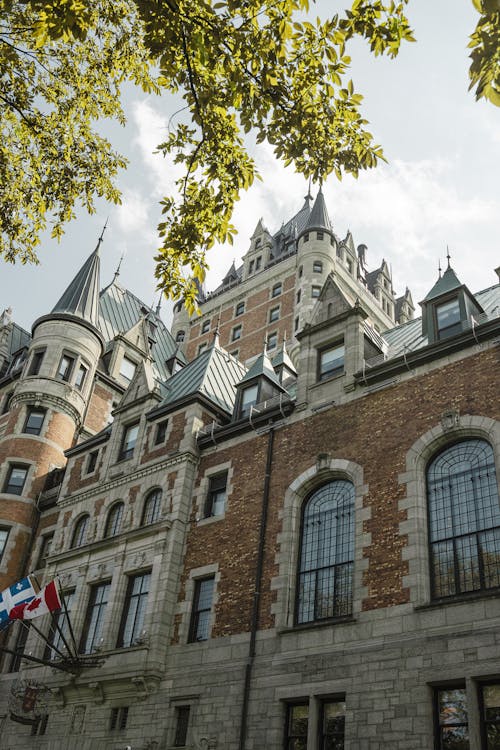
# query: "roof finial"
158 306
448 255
217 328
439 267
102 234
117 272
308 197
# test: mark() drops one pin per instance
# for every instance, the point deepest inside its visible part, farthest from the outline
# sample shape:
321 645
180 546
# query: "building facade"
276 526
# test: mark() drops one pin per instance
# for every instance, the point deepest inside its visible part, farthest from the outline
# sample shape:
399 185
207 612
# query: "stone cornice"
47 398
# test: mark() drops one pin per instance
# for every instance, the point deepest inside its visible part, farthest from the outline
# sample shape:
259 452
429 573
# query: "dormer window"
331 362
248 399
180 337
205 326
258 242
448 319
258 263
127 369
250 267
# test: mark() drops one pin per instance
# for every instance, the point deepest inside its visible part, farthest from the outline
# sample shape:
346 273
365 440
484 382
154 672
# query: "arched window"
464 519
152 507
324 588
114 520
80 532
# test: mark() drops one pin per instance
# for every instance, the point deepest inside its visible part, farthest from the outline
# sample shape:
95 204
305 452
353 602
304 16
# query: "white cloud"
132 213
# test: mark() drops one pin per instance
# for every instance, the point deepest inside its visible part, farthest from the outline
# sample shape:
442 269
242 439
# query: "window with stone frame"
326 560
114 520
94 620
489 703
129 440
65 368
152 507
317 265
134 610
181 725
81 376
272 341
16 661
201 613
448 318
249 397
118 718
215 504
331 361
16 479
91 462
297 726
180 337
205 326
60 633
45 548
161 432
451 722
236 333
36 362
127 369
79 537
33 424
332 724
277 289
6 402
239 309
4 535
463 519
274 314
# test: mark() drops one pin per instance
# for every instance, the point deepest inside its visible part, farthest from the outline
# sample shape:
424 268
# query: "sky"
439 189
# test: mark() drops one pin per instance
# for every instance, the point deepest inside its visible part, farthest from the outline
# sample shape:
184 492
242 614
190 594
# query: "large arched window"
114 520
80 532
325 575
152 507
464 519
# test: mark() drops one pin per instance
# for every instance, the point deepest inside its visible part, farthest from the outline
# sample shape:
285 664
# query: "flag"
18 593
47 600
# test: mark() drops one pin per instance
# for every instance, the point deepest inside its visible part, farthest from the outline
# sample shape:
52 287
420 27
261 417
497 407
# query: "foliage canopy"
242 66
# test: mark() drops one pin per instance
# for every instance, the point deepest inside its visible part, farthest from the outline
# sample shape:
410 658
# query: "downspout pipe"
254 623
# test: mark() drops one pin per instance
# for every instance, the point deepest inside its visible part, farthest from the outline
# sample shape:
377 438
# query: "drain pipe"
257 591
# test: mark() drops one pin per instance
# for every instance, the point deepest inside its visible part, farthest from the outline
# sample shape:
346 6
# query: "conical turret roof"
318 218
446 283
81 297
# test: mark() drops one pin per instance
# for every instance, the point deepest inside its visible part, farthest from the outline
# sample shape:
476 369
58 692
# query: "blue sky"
439 189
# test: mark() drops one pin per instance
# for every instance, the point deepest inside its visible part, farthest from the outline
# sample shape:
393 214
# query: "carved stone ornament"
28 701
450 419
78 719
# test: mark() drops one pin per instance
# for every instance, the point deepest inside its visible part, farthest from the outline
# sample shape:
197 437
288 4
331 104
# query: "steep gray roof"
448 281
262 367
318 218
18 338
282 358
81 297
213 374
120 310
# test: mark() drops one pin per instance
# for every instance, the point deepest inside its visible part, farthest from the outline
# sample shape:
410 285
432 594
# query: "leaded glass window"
152 507
327 553
464 519
297 721
114 520
452 726
490 716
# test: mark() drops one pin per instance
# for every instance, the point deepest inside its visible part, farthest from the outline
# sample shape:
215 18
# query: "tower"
46 409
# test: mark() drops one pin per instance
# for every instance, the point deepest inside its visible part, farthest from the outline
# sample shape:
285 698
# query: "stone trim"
184 608
200 494
325 469
452 428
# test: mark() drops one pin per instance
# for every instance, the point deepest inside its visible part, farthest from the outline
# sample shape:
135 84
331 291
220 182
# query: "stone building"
277 526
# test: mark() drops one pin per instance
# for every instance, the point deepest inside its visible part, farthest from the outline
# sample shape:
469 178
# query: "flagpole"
54 665
42 636
68 620
58 627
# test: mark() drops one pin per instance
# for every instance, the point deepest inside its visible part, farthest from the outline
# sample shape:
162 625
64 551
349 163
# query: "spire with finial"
439 267
216 342
117 272
448 256
158 306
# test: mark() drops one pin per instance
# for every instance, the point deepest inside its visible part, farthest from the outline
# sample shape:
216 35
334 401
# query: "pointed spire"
158 306
448 256
117 272
446 283
319 218
81 297
439 268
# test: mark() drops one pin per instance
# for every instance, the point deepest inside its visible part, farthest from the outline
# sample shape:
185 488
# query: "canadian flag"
47 600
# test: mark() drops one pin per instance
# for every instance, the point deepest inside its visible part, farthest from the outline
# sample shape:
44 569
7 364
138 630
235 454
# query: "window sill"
470 596
348 620
210 519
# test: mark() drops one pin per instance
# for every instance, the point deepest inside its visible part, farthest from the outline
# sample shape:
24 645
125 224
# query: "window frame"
66 374
114 520
317 266
181 725
98 625
453 329
135 608
127 453
277 290
438 745
321 374
118 718
180 336
205 326
8 487
272 340
315 291
217 489
483 722
60 622
323 736
80 529
127 362
91 463
47 540
291 737
153 497
274 314
161 432
197 611
237 332
81 376
244 409
239 309
30 412
36 362
3 542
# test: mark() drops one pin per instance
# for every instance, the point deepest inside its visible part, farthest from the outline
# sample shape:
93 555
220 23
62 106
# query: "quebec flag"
18 593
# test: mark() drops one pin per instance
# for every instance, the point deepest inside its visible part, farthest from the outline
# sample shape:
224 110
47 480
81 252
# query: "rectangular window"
236 333
80 377
44 550
59 629
202 348
258 263
318 265
332 726
331 362
296 324
248 399
299 295
94 621
452 728
349 265
306 237
240 309
127 369
448 319
250 267
272 341
217 493
320 235
134 610
276 290
36 362
16 478
118 718
490 716
274 314
65 367
22 637
297 721
4 535
34 421
202 608
91 462
205 326
181 725
315 291
161 432
129 440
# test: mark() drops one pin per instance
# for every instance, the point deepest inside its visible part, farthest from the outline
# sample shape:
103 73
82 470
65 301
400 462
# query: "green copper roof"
446 283
81 298
262 367
213 374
